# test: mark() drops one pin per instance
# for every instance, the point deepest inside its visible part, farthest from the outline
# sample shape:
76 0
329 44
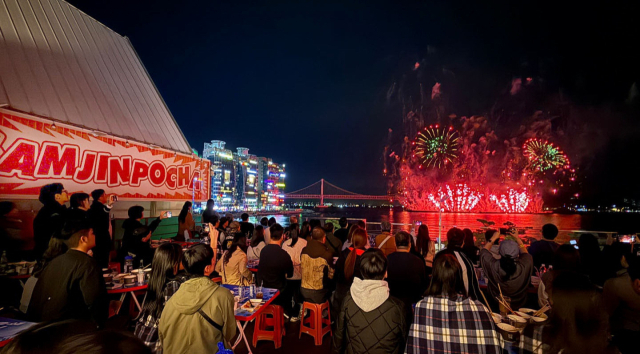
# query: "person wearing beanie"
512 272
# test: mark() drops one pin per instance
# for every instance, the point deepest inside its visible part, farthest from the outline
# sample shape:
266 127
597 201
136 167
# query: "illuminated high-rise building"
244 181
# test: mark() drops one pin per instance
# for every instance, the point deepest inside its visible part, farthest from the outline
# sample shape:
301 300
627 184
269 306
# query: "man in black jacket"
50 218
137 236
370 320
79 203
275 267
101 224
71 286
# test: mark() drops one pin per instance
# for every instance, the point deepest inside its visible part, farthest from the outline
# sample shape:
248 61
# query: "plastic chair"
315 325
271 317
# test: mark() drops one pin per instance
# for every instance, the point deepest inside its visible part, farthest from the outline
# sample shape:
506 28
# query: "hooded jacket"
370 320
184 330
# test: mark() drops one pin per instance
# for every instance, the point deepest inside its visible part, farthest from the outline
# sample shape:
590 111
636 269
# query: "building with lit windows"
242 181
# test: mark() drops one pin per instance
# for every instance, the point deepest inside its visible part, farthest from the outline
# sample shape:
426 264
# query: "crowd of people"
387 294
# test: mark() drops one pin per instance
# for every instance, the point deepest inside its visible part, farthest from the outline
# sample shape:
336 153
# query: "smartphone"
205 227
628 239
114 197
503 231
573 242
419 223
168 214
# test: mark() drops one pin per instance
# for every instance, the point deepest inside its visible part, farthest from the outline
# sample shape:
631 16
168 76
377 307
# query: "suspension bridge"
324 190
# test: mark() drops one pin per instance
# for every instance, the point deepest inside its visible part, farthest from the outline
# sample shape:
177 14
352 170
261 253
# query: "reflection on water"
625 223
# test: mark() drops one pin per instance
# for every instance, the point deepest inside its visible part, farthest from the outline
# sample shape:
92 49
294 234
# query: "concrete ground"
290 343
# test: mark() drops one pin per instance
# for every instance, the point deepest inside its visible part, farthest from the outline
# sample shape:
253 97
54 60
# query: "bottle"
128 264
543 269
140 274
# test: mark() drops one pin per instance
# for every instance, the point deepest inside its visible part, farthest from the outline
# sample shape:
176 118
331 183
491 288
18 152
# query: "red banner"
34 152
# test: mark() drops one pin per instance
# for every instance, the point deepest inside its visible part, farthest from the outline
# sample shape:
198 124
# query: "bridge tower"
322 192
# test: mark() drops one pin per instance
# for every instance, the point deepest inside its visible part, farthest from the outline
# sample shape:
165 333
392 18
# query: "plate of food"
248 306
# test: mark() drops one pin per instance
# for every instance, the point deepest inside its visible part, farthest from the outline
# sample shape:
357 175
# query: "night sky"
306 83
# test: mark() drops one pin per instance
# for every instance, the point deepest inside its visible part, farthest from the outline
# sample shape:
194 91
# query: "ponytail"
359 240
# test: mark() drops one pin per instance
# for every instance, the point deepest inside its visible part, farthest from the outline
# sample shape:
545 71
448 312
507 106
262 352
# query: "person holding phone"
99 218
134 240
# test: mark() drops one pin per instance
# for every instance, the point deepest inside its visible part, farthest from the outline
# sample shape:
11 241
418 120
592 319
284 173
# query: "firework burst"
436 146
543 156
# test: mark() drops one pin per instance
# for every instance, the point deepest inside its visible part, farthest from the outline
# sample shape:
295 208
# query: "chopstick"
541 311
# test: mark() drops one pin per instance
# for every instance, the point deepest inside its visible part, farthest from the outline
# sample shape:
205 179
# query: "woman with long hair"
578 322
163 283
305 230
446 305
349 241
233 264
186 225
257 244
470 249
209 212
566 258
294 246
348 266
511 274
424 246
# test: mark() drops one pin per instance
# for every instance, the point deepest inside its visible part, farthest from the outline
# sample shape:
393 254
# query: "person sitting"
621 297
447 320
566 258
511 274
79 203
334 243
542 251
71 286
370 320
233 264
222 236
294 246
245 226
186 224
406 273
163 283
348 267
74 336
470 249
257 244
343 231
136 235
316 263
455 241
425 247
385 241
275 267
200 314
267 233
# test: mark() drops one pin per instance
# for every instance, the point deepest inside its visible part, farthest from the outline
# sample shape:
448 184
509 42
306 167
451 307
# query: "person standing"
446 320
511 274
343 231
51 217
79 203
99 217
257 244
136 236
406 272
245 226
455 240
294 246
71 286
425 247
186 225
542 251
470 249
334 243
385 242
275 267
370 320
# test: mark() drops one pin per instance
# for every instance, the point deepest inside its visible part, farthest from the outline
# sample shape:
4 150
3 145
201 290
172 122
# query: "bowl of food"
508 332
248 306
496 317
517 321
255 302
524 315
540 318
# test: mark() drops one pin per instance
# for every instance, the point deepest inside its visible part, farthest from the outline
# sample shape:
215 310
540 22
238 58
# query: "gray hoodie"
369 294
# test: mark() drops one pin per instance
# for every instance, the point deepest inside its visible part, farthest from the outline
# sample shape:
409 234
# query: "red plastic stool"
271 317
315 325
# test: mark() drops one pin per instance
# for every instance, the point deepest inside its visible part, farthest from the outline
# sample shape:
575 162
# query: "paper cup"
130 280
508 332
517 322
539 319
496 318
108 278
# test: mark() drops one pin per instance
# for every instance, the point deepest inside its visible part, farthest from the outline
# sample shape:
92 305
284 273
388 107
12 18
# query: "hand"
518 240
90 253
496 235
609 239
110 200
163 215
147 238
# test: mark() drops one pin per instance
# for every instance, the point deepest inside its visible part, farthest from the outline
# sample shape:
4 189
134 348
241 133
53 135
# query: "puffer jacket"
184 330
370 320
